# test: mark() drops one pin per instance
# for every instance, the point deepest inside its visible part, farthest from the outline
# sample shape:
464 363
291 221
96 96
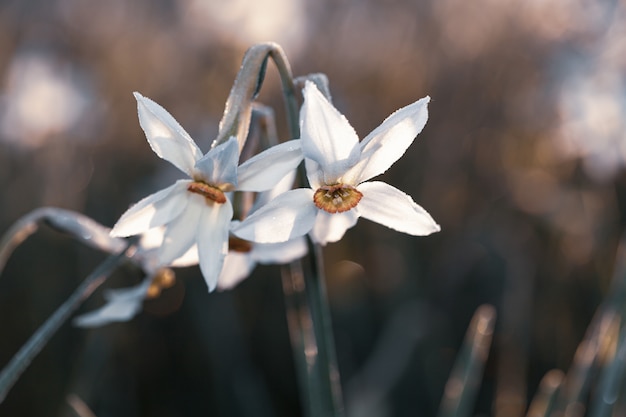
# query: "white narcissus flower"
338 169
196 211
124 303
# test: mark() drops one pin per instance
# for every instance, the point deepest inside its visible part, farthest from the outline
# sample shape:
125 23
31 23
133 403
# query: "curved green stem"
238 110
79 226
18 364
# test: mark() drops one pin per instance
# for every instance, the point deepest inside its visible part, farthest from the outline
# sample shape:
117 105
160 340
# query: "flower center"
239 245
164 278
207 191
337 198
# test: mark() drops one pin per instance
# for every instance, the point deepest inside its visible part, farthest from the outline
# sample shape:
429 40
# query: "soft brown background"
520 163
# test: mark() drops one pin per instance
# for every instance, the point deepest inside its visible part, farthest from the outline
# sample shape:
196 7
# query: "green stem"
315 285
610 381
238 110
18 364
586 362
302 337
79 226
462 387
543 402
308 311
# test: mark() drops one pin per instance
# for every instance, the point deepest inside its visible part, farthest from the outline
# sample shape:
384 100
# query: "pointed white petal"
219 165
264 170
153 211
237 267
122 305
151 238
180 234
279 253
189 258
212 236
289 215
149 244
166 137
384 204
149 249
314 174
389 141
285 184
330 227
326 135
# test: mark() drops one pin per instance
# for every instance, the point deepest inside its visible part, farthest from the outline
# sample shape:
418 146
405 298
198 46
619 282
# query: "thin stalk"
315 285
310 328
238 109
18 364
308 315
610 380
302 337
79 407
543 402
585 366
462 387
79 226
308 311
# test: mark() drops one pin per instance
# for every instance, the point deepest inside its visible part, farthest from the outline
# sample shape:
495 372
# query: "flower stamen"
236 244
337 198
164 278
207 191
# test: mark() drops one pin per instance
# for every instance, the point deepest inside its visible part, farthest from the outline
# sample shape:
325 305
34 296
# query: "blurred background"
521 163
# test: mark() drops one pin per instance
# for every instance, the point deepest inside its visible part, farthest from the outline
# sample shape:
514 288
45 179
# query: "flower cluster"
191 222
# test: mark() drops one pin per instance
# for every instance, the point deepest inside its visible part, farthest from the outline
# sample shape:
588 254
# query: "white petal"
279 253
155 210
237 267
149 246
219 165
326 135
330 227
389 141
264 170
384 204
314 174
189 258
166 137
212 236
151 238
122 305
285 184
180 234
289 215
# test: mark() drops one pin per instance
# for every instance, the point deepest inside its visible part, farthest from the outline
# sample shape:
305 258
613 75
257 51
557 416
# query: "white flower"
196 211
123 304
338 169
